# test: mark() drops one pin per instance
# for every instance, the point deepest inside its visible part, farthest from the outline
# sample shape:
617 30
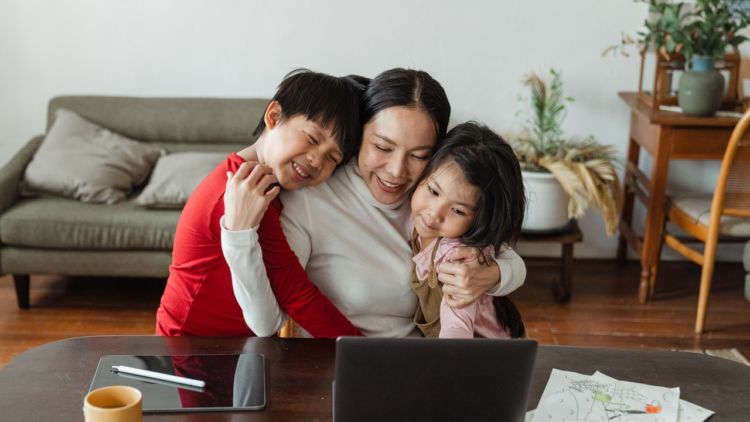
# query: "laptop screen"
432 379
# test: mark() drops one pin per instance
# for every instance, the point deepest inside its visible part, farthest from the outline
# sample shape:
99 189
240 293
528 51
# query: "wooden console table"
562 287
665 136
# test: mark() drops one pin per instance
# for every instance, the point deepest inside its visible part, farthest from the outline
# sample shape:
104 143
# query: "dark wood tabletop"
48 383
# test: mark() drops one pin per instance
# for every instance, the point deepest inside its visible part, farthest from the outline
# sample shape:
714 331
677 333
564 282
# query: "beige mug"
116 403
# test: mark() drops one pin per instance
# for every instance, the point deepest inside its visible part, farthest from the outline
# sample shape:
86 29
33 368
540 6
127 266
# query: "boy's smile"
298 150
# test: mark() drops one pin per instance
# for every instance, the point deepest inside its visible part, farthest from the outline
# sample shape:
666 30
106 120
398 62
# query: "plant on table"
584 168
705 28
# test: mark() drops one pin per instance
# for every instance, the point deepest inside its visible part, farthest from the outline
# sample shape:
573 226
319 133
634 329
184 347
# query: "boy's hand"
466 276
247 195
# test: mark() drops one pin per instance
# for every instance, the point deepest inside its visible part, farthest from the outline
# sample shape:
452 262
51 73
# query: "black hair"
328 100
487 162
509 316
408 88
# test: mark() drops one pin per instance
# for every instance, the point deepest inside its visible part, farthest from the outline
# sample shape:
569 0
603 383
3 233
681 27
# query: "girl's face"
396 144
299 151
444 204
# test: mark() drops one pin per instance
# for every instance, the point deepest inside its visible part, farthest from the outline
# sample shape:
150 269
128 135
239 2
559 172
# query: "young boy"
310 126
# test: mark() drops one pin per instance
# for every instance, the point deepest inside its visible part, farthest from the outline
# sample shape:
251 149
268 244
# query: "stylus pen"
159 376
160 382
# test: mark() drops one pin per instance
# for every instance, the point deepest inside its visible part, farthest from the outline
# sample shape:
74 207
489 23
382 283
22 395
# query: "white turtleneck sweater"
353 248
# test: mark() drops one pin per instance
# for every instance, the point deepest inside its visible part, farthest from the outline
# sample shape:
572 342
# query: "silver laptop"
420 379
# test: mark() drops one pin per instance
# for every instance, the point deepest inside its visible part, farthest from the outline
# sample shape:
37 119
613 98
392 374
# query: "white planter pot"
547 202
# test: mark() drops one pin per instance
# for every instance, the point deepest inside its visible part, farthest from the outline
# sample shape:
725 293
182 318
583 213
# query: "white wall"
478 49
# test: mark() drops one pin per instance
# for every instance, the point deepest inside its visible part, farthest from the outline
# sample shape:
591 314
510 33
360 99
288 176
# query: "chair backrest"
732 193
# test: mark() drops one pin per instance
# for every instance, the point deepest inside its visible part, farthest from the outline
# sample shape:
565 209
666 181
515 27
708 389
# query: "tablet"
233 382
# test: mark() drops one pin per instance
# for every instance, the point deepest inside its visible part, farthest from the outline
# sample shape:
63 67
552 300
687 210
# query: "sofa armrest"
12 173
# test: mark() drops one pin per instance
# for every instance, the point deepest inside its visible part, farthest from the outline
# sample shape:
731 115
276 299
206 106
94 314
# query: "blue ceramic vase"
701 88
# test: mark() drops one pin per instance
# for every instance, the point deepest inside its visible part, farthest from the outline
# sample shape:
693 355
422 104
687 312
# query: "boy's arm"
294 291
457 322
250 282
248 200
257 256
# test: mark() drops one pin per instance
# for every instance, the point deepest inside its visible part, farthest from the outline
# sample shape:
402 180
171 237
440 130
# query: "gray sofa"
54 235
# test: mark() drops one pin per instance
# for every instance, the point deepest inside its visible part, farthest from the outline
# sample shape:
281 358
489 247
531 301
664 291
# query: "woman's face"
396 144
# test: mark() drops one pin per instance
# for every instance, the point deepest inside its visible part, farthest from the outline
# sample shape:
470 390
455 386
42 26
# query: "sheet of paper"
529 416
686 411
573 397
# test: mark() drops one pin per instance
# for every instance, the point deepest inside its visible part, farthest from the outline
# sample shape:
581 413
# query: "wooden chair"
289 329
724 213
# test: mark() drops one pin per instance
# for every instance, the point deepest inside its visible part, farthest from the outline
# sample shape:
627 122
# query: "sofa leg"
22 290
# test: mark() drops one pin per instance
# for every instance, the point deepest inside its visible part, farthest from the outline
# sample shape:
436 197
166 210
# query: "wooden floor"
603 312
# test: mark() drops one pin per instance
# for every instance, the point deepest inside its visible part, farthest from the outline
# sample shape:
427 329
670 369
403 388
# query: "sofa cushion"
81 160
176 176
50 222
170 120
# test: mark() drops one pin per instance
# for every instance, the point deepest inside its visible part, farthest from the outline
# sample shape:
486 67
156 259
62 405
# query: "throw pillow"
81 160
176 176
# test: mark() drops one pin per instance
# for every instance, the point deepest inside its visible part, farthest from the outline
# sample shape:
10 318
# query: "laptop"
429 379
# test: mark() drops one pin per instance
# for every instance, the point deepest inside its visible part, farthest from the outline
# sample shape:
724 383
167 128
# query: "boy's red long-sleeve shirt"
199 300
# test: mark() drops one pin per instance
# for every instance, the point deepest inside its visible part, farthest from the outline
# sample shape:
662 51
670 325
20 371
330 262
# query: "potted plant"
701 32
563 176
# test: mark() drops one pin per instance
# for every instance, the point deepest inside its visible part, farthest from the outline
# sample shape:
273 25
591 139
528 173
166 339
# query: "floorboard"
604 310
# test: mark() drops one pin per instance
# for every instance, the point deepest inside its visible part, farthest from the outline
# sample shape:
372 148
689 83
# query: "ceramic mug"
116 403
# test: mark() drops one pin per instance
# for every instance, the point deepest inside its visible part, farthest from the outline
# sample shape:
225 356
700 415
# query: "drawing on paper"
572 397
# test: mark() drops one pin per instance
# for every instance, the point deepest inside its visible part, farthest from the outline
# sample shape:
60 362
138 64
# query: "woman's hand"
466 275
247 195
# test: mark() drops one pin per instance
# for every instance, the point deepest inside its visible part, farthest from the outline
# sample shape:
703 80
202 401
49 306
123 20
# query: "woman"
350 232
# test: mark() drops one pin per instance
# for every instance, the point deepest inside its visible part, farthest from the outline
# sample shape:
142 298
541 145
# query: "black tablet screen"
233 381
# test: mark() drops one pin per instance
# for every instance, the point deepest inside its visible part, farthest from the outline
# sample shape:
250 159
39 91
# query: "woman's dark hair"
328 100
407 88
487 162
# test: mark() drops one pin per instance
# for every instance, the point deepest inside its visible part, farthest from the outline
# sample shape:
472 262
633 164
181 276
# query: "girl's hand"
247 195
465 276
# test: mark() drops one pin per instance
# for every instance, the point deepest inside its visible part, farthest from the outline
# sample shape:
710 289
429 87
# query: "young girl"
470 194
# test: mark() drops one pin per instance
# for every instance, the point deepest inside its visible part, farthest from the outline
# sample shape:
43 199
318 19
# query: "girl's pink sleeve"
457 323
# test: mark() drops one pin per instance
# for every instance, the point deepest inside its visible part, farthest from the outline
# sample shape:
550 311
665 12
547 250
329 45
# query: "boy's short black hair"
487 162
327 100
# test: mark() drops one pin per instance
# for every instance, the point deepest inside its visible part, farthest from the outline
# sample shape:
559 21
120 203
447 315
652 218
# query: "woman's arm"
465 277
250 281
280 272
294 291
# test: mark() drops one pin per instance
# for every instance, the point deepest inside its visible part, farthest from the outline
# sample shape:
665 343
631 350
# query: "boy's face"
299 151
444 204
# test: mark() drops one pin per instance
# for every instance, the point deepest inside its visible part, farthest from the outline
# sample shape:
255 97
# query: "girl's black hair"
487 162
408 88
509 316
328 100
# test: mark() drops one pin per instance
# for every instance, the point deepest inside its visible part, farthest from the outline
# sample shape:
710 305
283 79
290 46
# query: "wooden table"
562 287
666 136
48 383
